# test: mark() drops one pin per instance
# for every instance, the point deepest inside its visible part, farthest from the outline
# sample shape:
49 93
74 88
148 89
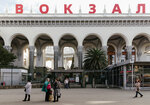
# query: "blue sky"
84 4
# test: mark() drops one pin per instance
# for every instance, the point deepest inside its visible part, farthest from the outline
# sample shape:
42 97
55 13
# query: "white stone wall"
12 76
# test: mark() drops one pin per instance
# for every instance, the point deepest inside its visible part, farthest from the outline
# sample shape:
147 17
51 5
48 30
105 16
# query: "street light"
132 62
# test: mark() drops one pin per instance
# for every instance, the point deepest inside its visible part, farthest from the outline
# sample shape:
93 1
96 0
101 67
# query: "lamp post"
132 72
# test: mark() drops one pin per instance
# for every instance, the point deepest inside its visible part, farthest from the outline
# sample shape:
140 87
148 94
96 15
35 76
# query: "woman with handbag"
44 88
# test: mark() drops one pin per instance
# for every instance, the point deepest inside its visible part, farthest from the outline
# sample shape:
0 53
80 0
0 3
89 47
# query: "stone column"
39 59
129 52
60 60
119 55
31 61
20 57
80 49
56 53
8 48
104 48
139 53
76 59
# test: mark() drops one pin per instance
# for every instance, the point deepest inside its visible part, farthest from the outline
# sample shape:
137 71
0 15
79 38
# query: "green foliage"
6 57
95 59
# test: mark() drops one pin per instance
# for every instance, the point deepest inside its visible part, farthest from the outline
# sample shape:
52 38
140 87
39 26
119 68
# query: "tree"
6 57
95 59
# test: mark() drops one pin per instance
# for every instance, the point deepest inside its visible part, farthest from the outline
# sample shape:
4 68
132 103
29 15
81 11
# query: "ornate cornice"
15 20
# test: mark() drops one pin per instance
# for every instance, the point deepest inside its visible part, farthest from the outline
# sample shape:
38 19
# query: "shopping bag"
51 98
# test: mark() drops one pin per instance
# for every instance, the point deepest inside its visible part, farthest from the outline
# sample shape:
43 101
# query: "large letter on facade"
92 8
67 8
41 9
19 8
116 9
139 8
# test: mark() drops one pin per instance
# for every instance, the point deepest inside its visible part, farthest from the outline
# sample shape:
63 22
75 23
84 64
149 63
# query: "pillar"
119 55
60 60
104 48
31 61
139 53
129 52
76 59
80 49
56 54
20 57
39 59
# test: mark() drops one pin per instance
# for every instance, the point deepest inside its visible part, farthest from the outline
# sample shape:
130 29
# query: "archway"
45 51
68 53
116 49
91 41
141 50
20 46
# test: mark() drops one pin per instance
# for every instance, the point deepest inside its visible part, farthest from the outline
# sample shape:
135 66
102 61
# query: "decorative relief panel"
77 21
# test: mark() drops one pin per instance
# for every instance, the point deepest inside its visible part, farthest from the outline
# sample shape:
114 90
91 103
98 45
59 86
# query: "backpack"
48 86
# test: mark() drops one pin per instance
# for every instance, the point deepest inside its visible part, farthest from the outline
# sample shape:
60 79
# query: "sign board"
75 6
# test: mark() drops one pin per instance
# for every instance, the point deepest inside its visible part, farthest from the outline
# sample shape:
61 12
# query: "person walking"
56 87
137 88
44 88
27 90
59 86
66 82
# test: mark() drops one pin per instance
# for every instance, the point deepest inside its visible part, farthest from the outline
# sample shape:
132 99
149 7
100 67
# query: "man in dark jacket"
56 87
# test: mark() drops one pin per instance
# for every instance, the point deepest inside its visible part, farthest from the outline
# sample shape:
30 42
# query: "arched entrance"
45 52
20 48
139 42
68 53
92 41
142 56
116 49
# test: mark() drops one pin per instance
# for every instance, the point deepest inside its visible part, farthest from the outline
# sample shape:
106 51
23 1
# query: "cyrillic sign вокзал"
44 9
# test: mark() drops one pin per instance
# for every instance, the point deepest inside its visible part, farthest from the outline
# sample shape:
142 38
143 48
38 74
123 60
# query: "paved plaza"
76 96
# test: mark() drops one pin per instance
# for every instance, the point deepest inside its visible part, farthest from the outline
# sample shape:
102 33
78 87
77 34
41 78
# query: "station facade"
62 40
